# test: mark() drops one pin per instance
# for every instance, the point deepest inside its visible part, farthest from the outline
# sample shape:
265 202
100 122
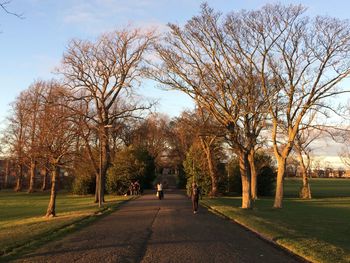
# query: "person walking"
137 187
160 193
195 197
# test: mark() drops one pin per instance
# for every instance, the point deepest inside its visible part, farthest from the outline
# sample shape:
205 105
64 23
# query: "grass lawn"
23 227
317 229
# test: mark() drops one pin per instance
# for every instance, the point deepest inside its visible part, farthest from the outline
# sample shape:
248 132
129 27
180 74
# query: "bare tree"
307 134
101 72
300 62
33 94
199 60
151 134
198 127
14 138
4 7
209 137
58 134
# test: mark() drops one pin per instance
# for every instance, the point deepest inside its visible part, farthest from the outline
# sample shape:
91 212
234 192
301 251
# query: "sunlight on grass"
22 215
316 229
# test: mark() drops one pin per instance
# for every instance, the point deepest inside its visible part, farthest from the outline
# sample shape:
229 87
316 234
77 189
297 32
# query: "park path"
150 230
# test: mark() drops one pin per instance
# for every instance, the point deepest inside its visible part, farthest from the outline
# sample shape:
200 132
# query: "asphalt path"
151 230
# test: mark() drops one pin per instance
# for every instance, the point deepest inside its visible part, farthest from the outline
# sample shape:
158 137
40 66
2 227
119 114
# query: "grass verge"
318 229
23 227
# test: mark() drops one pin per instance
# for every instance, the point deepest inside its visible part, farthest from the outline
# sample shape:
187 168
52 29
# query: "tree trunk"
32 176
7 174
281 162
19 182
96 188
214 179
44 185
245 175
253 173
212 171
51 209
105 160
305 191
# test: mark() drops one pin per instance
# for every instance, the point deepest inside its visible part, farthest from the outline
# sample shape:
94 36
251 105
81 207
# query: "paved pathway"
150 230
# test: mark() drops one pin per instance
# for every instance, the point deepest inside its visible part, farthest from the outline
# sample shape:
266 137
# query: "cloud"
97 16
81 14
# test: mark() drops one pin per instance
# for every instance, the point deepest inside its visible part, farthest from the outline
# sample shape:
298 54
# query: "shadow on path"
152 230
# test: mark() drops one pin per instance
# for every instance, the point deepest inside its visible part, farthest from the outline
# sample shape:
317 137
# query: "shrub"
84 181
266 181
129 165
195 169
83 185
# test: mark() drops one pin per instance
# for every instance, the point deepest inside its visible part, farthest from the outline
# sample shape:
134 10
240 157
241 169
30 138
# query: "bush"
84 179
266 181
130 165
83 185
195 169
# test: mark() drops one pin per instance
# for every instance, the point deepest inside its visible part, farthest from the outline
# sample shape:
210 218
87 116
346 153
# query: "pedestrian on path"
195 197
137 188
160 192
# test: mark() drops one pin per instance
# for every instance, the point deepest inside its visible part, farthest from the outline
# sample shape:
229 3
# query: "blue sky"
30 48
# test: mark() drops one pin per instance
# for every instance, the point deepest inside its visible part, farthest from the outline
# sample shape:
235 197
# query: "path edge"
257 234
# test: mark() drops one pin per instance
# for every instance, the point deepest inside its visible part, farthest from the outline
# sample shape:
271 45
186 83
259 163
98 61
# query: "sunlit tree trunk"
254 183
32 176
279 182
51 209
211 166
245 175
19 182
213 176
305 191
45 177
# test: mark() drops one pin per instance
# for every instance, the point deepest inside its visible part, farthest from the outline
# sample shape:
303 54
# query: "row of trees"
54 120
270 68
256 77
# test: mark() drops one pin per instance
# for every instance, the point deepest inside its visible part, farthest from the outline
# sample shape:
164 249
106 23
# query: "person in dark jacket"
195 197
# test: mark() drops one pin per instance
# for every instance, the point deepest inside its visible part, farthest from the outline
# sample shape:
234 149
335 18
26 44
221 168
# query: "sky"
31 48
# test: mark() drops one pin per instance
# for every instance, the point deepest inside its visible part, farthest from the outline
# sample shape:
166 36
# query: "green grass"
316 229
23 226
320 187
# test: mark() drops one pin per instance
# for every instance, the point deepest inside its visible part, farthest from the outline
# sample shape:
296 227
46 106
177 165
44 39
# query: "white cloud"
81 14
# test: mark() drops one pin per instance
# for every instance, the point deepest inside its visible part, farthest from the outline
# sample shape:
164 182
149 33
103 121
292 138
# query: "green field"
317 229
24 227
320 187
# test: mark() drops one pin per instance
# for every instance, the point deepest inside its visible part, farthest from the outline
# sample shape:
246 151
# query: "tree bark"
105 159
51 209
7 174
254 182
214 180
44 185
305 190
32 176
96 188
279 182
245 175
211 167
19 182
